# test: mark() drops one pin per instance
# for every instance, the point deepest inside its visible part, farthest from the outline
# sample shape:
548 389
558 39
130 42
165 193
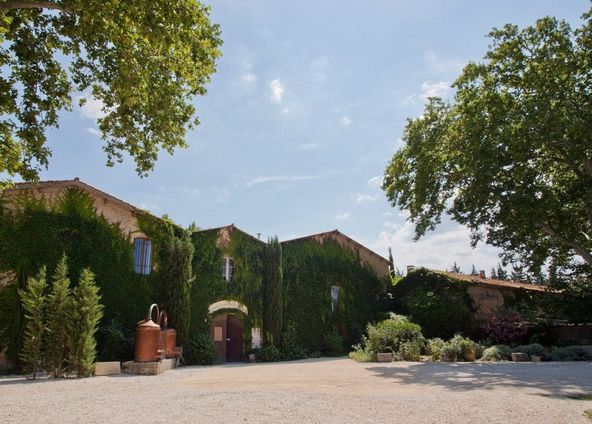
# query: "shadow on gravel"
556 380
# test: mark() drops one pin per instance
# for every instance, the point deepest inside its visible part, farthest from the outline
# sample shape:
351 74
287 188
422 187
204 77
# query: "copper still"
168 337
147 343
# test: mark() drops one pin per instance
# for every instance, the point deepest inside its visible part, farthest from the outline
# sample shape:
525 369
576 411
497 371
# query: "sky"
306 109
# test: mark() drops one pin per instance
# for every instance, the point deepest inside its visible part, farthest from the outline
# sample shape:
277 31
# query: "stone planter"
519 357
535 358
252 357
385 357
448 357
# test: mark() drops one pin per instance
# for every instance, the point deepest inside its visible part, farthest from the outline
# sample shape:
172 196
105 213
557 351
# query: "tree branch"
581 250
23 4
588 166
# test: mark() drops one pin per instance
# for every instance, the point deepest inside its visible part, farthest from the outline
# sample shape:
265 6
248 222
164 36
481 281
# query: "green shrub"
411 350
571 353
390 334
452 349
268 353
496 353
435 348
290 348
362 356
333 345
531 349
114 342
201 350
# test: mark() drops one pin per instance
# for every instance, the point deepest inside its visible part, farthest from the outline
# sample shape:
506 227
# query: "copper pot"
147 341
168 337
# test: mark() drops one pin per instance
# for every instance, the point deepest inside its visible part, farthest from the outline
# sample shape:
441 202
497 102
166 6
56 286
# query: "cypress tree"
33 300
86 314
176 273
59 310
272 295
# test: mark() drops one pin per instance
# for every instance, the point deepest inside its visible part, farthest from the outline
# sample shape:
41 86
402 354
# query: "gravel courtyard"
312 391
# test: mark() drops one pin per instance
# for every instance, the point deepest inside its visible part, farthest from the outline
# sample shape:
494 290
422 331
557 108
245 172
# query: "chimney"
482 274
410 268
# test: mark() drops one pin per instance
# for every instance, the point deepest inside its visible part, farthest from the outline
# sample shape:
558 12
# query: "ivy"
439 304
210 286
310 270
38 232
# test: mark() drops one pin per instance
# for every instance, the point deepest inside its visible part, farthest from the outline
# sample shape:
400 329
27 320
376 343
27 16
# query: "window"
142 255
334 298
228 269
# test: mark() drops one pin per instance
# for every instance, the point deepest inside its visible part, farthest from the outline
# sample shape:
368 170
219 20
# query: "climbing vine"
439 304
37 232
210 286
310 270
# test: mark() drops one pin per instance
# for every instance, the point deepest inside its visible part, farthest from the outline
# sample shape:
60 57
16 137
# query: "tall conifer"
33 299
86 314
59 309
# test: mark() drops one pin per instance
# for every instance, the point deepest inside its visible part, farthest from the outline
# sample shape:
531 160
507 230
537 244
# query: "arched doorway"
227 329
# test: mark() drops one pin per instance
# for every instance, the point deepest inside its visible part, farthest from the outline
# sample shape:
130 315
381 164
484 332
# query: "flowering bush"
506 329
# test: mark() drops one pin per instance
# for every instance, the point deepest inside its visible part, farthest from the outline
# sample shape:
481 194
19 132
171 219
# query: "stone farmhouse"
331 283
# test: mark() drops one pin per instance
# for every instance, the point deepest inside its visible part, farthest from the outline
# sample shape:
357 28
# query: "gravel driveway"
312 391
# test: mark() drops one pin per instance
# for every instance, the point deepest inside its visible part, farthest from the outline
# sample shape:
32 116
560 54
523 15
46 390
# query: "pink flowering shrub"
506 329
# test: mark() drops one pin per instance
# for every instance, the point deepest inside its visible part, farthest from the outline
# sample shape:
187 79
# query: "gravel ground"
312 391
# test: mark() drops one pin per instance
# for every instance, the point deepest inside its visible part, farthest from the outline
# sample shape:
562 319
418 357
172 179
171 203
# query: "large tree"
142 61
511 156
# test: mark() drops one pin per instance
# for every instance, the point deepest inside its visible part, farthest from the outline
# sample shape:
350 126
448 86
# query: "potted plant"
469 350
450 352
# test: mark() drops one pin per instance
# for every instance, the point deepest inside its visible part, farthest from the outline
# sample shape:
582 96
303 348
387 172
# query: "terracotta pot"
469 355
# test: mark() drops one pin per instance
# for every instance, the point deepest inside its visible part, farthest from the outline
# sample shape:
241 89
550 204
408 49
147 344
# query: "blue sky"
306 109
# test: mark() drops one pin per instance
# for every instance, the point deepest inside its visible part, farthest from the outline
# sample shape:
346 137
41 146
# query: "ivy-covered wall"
209 285
37 233
310 270
443 305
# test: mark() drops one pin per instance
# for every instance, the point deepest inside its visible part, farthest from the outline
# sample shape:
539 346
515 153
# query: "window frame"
143 248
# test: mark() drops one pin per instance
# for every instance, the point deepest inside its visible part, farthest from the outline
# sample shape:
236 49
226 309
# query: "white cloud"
428 89
249 78
343 216
280 178
436 250
92 107
390 224
363 198
375 182
286 110
437 89
308 146
440 64
93 131
345 121
277 90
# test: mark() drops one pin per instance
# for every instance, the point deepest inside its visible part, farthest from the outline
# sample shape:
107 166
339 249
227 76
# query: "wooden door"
234 339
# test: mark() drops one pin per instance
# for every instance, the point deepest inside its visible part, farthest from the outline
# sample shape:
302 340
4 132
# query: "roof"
493 281
231 228
339 234
78 184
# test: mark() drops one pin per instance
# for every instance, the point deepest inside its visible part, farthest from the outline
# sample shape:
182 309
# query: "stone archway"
227 328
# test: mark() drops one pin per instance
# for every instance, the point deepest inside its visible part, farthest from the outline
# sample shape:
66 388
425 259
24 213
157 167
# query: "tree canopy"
511 156
143 61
